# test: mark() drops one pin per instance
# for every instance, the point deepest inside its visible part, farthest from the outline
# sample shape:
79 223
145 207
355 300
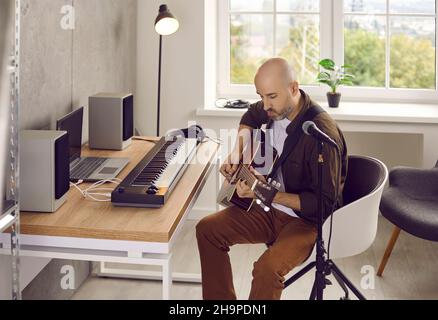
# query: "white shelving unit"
10 211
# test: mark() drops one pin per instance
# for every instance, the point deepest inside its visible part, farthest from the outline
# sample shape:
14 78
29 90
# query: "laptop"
88 169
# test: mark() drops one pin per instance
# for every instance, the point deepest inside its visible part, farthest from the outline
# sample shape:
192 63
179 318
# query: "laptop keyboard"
85 168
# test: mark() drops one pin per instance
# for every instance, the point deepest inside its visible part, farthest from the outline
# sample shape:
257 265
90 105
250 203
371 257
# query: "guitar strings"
248 175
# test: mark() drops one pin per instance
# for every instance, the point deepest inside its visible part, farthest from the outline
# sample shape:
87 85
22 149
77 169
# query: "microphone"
310 128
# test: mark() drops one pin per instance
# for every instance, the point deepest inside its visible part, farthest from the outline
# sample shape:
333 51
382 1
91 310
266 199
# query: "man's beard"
284 115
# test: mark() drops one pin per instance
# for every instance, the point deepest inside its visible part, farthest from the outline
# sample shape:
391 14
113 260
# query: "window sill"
356 111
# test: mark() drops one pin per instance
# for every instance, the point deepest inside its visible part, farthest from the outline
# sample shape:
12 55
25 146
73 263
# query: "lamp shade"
166 23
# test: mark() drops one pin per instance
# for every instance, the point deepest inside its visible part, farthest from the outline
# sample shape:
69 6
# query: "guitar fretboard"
246 174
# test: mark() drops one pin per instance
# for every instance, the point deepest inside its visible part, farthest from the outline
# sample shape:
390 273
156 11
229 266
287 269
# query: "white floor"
412 272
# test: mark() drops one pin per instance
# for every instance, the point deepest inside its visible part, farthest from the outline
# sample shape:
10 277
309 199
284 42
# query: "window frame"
331 46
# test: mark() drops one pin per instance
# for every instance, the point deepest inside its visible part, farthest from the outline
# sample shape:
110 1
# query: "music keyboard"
154 178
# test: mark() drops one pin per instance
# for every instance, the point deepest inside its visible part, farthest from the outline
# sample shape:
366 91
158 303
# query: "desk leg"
104 271
167 278
166 275
101 268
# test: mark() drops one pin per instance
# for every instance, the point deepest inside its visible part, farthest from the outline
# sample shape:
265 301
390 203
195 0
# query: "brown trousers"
291 242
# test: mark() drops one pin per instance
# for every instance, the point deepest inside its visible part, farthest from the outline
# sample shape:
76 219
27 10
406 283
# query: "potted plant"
334 76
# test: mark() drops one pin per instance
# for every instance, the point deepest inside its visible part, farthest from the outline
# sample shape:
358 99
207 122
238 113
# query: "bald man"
290 228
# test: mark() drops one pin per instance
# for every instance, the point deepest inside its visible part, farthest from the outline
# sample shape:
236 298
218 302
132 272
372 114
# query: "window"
266 28
401 32
390 43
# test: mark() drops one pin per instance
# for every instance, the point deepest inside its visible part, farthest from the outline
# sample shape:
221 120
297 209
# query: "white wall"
188 81
186 66
182 88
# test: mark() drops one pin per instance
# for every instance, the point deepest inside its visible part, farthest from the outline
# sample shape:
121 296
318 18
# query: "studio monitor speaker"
111 119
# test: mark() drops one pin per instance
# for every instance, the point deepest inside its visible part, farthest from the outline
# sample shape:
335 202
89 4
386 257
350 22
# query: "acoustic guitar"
263 158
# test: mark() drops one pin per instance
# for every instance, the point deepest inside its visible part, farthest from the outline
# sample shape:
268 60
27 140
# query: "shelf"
5 206
7 217
9 210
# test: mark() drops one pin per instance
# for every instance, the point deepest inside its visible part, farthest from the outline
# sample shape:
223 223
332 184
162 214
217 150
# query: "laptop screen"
72 123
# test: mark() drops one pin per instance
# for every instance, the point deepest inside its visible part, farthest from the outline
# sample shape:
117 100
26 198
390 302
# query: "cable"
144 139
221 102
215 140
232 103
338 178
94 191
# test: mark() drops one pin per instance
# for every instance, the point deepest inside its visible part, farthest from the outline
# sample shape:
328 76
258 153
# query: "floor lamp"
165 25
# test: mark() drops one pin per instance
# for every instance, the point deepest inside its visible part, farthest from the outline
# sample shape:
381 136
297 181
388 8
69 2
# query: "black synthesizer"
152 181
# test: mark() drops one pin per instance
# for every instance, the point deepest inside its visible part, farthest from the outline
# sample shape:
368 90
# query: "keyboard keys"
166 164
152 181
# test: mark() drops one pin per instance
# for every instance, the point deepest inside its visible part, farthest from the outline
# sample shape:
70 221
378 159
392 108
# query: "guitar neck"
247 175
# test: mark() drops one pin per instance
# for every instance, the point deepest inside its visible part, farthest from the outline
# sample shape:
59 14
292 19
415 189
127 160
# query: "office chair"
355 224
411 204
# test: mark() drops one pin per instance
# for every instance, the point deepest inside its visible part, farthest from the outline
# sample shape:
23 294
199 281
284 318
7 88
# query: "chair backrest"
355 224
365 175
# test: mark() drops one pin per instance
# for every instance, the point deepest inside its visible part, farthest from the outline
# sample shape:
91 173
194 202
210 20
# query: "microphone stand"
324 267
320 248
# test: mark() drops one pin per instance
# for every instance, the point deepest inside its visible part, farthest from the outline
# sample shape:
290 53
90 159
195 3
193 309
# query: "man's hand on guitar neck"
230 166
244 190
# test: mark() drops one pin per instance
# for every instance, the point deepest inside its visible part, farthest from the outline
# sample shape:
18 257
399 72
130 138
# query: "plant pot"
333 99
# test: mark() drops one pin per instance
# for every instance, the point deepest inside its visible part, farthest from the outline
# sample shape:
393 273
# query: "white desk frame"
113 251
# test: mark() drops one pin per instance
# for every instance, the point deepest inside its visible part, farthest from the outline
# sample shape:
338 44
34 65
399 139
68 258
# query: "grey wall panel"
104 50
6 36
60 69
53 283
46 62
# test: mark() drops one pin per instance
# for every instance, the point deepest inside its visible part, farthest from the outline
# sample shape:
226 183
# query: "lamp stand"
159 87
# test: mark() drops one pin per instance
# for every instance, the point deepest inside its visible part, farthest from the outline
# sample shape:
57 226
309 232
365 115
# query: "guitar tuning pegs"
269 180
267 209
259 202
278 185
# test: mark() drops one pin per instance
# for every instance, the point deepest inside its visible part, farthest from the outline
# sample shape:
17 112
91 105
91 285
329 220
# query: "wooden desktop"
97 231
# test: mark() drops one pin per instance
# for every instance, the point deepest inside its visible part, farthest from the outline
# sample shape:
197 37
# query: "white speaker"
44 170
111 121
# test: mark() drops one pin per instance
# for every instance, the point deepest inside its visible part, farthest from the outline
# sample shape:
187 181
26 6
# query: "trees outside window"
391 43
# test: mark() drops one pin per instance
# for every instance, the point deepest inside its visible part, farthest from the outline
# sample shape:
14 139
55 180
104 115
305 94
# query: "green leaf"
347 66
324 76
346 82
322 79
327 64
327 82
347 78
337 77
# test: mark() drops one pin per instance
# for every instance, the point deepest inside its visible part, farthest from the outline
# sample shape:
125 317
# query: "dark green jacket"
300 170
